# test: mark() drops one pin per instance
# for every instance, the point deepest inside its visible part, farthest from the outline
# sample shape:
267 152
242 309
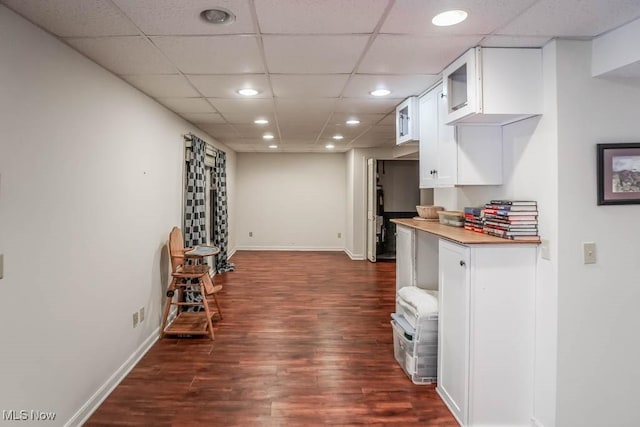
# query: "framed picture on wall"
618 174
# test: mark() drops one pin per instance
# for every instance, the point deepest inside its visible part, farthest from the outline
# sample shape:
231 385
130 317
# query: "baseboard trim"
83 414
353 256
231 252
289 248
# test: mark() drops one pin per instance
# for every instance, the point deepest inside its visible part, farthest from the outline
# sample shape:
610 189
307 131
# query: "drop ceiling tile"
315 118
212 54
348 132
400 86
124 55
514 41
313 54
64 18
389 120
367 106
414 16
163 85
203 118
256 132
248 106
226 86
367 143
324 105
187 105
393 54
247 117
300 132
327 16
220 131
386 130
572 18
171 17
303 110
365 119
308 85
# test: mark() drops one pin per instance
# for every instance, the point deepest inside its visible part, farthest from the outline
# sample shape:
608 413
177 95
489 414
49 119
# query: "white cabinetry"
450 155
486 332
494 86
407 121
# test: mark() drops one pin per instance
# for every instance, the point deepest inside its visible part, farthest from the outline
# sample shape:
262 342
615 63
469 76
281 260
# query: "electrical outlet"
135 319
251 234
339 235
141 311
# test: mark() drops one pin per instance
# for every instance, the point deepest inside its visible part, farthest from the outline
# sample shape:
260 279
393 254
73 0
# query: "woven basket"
428 212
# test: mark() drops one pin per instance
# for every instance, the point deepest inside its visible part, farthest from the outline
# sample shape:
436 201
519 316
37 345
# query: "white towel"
424 302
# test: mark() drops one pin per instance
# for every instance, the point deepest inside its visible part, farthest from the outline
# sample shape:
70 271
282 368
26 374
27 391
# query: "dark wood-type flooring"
305 341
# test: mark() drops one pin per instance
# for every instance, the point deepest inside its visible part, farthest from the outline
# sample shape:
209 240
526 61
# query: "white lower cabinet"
486 332
454 318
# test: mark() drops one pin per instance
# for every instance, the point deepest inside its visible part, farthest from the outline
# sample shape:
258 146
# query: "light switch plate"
545 249
589 249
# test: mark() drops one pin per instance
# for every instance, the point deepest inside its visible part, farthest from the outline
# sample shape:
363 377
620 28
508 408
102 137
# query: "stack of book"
512 219
473 219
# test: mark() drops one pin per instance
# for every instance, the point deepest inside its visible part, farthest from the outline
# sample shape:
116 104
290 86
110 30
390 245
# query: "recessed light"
218 16
273 146
380 92
267 136
248 92
330 146
450 17
338 137
353 122
261 121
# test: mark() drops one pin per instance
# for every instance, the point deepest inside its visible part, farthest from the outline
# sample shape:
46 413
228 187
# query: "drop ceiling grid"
313 62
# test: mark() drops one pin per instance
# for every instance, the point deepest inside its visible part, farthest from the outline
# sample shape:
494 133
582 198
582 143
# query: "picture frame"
618 173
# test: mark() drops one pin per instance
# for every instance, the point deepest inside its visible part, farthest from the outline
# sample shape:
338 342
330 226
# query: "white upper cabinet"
456 155
493 86
407 121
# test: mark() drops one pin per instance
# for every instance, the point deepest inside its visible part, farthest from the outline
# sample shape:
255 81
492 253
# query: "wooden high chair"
183 275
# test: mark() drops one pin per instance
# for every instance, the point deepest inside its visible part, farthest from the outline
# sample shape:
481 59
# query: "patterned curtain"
221 235
194 207
194 214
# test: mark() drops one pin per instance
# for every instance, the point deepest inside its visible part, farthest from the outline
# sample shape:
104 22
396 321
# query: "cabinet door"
453 334
407 121
405 256
462 86
429 138
447 170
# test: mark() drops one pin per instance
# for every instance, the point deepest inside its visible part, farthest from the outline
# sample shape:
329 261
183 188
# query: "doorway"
393 191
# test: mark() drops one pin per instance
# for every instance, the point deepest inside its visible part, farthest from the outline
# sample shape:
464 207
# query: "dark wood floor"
305 341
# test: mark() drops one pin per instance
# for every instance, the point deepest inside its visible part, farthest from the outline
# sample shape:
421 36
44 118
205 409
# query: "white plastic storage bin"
419 360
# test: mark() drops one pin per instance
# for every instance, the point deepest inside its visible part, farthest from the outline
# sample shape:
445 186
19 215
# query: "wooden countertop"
457 234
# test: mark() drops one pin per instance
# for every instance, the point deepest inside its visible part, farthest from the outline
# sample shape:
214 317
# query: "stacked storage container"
415 333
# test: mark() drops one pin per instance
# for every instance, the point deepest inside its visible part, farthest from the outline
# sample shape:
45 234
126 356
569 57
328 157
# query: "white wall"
291 201
598 345
400 182
90 186
530 165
